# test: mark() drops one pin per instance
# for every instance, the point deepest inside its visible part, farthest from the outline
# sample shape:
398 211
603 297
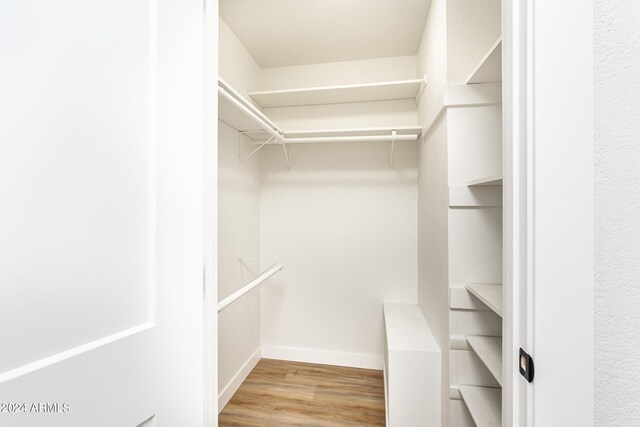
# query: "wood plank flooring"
280 393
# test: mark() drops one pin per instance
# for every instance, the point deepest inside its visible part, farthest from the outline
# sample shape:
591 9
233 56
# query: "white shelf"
380 91
490 68
488 293
495 179
230 113
484 404
489 350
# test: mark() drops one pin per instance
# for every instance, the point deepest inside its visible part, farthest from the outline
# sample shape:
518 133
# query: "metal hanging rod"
364 138
258 120
248 287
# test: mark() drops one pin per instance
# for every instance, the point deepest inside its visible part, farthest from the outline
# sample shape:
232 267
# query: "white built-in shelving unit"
483 400
364 92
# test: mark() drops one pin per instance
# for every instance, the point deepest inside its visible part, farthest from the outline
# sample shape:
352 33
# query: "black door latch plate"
526 365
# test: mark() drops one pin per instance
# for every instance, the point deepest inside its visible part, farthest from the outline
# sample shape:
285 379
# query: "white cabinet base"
412 368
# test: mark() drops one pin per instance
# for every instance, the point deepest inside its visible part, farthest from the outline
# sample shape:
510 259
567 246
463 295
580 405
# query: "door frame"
210 196
548 211
531 45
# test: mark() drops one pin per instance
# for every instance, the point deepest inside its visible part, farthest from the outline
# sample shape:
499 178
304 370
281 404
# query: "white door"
101 213
549 207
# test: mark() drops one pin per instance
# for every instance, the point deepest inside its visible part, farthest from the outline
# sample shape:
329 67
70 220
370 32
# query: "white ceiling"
296 32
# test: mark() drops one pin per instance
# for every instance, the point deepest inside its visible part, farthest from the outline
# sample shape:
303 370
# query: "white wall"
238 225
432 193
617 213
238 237
339 73
341 221
343 224
237 66
400 112
433 248
473 26
432 55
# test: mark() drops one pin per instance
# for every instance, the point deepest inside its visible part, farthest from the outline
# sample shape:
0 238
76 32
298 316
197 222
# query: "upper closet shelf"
380 91
242 115
489 70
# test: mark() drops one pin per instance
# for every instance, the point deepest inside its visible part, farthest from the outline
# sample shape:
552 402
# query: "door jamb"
542 56
514 122
210 203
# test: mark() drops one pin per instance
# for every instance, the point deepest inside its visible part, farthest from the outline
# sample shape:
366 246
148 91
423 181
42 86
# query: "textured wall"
432 193
617 212
432 54
473 26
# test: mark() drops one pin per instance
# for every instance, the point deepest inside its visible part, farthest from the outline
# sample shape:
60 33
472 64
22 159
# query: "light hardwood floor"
280 393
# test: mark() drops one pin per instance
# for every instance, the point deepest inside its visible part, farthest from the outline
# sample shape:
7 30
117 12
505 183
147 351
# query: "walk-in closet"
360 250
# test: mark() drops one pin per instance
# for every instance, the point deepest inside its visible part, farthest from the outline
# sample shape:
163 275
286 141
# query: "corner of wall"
236 65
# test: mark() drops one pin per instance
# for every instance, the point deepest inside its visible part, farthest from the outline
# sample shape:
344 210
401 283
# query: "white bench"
412 363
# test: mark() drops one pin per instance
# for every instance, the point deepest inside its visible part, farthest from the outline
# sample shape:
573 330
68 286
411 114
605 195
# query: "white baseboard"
386 394
324 357
225 396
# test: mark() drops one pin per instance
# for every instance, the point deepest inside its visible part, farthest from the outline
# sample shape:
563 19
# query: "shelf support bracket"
256 150
286 154
421 146
393 142
423 86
